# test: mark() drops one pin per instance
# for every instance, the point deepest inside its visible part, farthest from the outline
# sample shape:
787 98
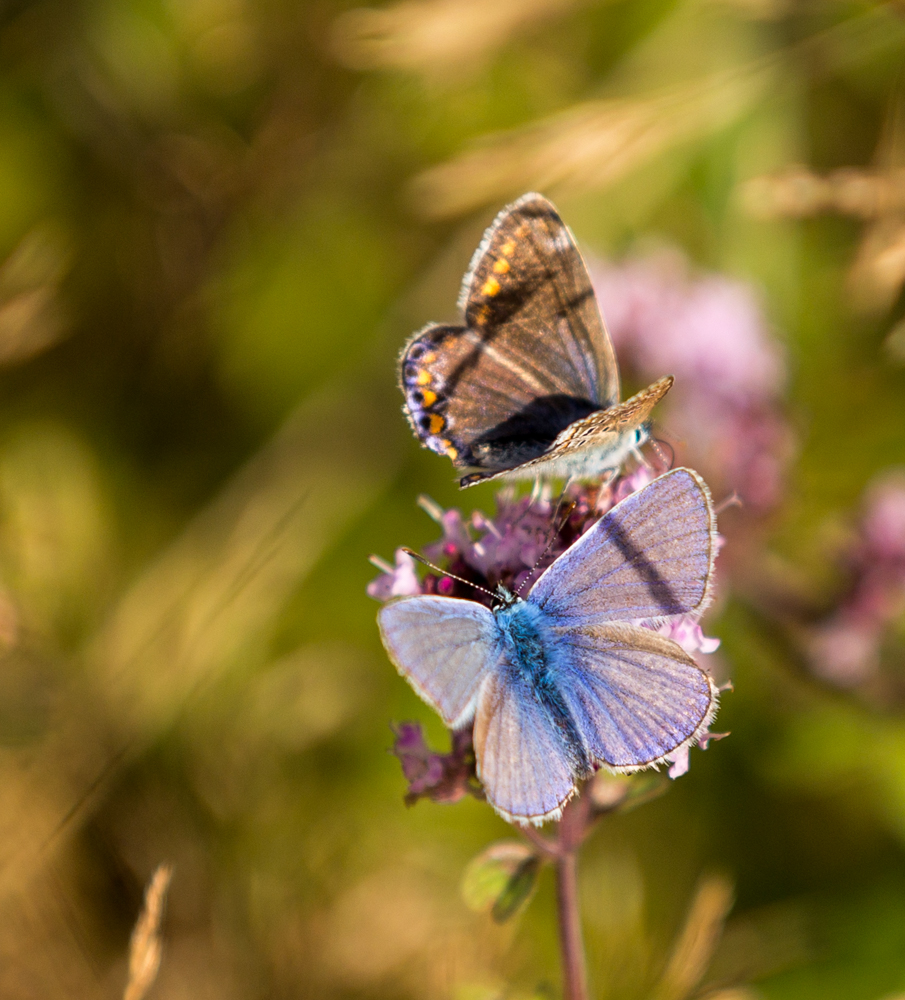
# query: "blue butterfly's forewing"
635 696
444 647
651 556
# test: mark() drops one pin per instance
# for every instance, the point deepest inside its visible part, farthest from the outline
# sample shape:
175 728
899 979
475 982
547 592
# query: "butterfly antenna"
445 572
553 534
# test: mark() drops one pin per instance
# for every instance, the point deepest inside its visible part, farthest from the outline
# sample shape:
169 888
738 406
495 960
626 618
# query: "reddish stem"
575 982
573 828
577 819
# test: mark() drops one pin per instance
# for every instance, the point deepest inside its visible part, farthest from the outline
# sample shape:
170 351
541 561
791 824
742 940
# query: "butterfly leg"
562 496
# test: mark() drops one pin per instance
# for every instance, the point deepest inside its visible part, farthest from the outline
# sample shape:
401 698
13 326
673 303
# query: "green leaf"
501 879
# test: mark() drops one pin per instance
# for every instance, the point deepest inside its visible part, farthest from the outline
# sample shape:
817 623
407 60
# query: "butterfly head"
505 598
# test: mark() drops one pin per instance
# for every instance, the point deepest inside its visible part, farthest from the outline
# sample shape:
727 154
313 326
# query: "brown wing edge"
490 232
427 420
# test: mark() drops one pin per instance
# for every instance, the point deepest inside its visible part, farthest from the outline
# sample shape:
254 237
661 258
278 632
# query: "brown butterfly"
528 388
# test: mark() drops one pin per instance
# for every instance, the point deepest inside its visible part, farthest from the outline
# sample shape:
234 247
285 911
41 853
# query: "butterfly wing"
533 357
634 696
606 436
443 647
523 761
651 556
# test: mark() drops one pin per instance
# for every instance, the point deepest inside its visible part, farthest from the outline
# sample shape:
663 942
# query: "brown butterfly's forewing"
533 359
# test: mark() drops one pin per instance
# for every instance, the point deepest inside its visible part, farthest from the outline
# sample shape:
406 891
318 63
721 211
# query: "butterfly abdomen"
530 651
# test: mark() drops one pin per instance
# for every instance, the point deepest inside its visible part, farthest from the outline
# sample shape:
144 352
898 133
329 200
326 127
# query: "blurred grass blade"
697 941
209 601
501 879
894 344
733 993
146 946
205 606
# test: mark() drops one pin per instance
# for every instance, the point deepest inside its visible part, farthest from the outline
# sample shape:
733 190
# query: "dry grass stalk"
798 192
32 316
146 946
879 268
697 942
894 345
435 36
591 146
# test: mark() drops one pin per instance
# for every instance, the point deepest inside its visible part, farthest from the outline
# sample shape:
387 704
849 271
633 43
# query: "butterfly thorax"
528 644
583 453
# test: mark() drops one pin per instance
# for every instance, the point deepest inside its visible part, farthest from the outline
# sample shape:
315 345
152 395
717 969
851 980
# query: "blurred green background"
219 220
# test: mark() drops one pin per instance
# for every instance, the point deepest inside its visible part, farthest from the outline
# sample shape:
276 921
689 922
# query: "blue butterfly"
562 682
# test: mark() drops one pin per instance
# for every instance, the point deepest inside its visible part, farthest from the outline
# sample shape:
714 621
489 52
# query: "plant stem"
575 979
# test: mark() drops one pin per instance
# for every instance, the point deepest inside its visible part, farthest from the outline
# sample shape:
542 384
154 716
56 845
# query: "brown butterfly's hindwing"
596 444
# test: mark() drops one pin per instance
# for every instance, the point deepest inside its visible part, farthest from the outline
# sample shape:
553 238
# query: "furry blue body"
529 651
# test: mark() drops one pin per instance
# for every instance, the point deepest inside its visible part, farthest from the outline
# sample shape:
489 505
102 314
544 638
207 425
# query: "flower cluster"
710 333
845 648
512 548
443 777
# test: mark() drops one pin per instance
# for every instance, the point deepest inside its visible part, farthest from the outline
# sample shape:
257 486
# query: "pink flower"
844 649
400 580
730 372
687 632
883 526
443 777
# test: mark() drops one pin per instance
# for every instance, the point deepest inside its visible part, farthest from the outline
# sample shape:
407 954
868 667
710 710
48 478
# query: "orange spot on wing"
502 266
429 357
483 316
428 397
437 423
422 378
507 248
490 288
